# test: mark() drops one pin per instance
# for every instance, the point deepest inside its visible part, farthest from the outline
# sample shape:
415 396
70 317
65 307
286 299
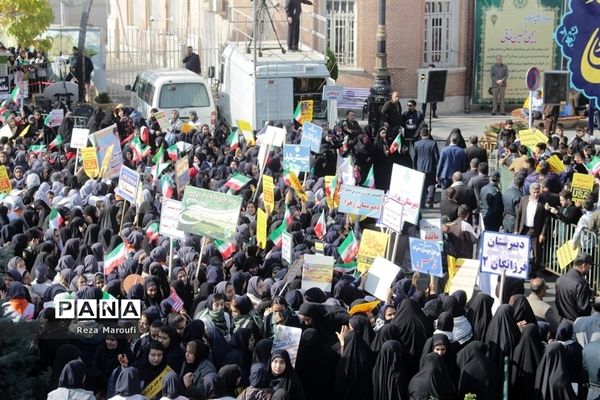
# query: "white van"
174 89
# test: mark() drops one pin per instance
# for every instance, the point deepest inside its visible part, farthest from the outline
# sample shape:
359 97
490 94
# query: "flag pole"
170 257
76 159
123 215
202 243
262 171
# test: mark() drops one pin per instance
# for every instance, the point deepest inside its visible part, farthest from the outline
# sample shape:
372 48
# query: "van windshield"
183 95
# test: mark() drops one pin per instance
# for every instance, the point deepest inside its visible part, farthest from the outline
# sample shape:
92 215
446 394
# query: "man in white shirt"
536 106
532 221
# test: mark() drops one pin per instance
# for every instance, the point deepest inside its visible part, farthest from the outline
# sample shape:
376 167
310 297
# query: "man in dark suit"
425 159
472 171
573 293
477 183
464 193
452 159
532 220
192 60
474 151
391 113
293 9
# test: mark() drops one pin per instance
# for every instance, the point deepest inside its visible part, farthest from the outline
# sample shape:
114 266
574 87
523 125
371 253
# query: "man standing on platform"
293 9
499 75
391 114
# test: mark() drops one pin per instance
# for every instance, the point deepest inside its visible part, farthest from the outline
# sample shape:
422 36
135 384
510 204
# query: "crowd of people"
207 328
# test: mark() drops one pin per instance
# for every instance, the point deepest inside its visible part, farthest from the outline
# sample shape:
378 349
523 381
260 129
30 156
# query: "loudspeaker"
556 87
432 85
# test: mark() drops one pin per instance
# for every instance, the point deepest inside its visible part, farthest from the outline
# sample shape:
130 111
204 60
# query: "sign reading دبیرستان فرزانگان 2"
521 31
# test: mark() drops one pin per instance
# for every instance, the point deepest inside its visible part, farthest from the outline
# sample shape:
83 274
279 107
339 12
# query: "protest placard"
465 276
275 136
261 228
287 338
361 201
156 385
268 193
503 252
317 271
105 168
566 254
103 140
79 138
5 185
372 245
555 164
406 186
430 229
90 162
391 214
128 183
306 110
163 121
426 257
56 117
244 126
531 137
380 277
311 136
169 215
209 213
286 247
332 92
581 186
296 157
182 173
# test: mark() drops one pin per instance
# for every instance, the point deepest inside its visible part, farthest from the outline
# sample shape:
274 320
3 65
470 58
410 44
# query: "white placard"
331 92
79 138
391 214
431 230
406 186
287 338
169 214
503 252
380 277
56 117
317 271
465 278
274 136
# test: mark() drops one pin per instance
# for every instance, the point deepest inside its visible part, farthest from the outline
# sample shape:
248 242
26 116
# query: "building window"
342 31
439 37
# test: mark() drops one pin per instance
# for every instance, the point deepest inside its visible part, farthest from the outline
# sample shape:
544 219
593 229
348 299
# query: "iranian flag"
152 232
37 148
14 94
139 150
225 248
47 120
115 258
298 114
349 248
593 165
320 227
233 140
370 180
237 181
396 143
158 169
172 152
58 140
159 156
55 220
167 187
145 134
287 216
276 235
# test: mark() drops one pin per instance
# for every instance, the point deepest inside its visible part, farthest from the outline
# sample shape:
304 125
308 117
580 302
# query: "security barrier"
558 234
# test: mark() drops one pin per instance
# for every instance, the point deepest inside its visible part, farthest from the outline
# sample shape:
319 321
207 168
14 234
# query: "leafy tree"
26 20
332 64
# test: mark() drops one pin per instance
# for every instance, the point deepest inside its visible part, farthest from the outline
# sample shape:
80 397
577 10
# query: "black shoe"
435 116
493 113
503 113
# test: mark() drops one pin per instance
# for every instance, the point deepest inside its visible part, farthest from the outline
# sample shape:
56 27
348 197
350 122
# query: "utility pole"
380 89
85 14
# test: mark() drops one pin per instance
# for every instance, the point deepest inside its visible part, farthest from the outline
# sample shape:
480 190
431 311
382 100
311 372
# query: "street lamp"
380 89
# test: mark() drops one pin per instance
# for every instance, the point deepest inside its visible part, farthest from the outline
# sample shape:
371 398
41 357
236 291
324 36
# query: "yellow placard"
462 275
332 194
269 193
555 164
364 307
372 244
261 228
531 137
307 110
188 127
243 125
90 161
5 185
566 254
106 161
581 186
155 387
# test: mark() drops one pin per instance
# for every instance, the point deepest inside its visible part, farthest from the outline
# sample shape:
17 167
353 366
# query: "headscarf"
522 310
525 360
172 386
315 366
502 336
72 375
128 382
18 298
481 315
353 379
390 378
288 380
552 375
64 354
229 375
213 386
432 379
387 332
478 375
